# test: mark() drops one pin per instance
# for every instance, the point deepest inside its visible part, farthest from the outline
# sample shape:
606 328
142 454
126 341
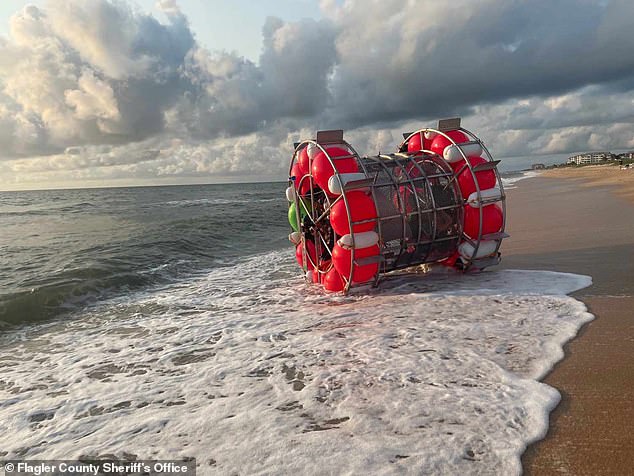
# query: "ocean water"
62 249
208 344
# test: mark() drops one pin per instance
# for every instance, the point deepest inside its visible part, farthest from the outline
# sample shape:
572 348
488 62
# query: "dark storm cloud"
429 60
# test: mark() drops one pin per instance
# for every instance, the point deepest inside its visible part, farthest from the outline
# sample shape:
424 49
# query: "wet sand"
558 223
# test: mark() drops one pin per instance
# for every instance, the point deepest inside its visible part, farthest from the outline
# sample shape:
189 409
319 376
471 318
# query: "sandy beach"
620 181
582 221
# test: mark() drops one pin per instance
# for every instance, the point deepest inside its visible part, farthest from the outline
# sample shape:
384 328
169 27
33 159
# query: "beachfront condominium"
591 158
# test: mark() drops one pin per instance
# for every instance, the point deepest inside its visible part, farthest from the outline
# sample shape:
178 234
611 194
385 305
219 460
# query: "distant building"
538 166
626 156
591 158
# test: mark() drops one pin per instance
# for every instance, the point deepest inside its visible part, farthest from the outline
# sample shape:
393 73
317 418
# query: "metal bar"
341 157
433 204
488 166
417 201
489 201
368 260
424 179
496 236
467 164
357 184
378 223
371 185
339 137
428 210
400 201
361 222
470 142
455 176
500 185
327 209
350 223
311 213
437 240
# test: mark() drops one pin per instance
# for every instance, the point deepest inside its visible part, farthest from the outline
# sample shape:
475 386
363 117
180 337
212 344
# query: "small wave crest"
509 180
49 209
214 201
70 290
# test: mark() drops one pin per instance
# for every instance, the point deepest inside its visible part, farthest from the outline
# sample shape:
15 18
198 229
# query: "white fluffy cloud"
99 90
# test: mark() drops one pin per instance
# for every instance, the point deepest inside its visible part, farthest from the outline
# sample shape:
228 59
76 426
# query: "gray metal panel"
486 166
325 137
449 124
355 184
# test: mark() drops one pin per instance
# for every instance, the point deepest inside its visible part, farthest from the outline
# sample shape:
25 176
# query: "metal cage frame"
317 216
448 125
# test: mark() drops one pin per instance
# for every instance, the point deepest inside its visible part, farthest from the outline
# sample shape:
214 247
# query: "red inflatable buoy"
312 255
440 142
414 143
361 208
322 170
298 173
333 281
491 220
451 261
486 178
303 161
361 274
324 267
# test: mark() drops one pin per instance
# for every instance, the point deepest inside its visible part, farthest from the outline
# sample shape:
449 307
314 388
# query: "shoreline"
583 223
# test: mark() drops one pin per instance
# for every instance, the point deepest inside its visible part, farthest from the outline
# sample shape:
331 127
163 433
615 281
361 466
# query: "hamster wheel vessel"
438 199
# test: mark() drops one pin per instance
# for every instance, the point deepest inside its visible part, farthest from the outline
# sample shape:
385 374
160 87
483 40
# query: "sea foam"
252 371
510 182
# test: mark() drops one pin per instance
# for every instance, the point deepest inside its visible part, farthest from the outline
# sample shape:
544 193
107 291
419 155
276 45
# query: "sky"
119 93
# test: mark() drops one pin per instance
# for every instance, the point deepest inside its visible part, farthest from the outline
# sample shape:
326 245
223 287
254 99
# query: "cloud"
402 59
251 157
97 72
94 100
90 86
234 96
89 72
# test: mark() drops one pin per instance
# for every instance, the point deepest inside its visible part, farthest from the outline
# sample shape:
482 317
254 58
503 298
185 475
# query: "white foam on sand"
252 371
